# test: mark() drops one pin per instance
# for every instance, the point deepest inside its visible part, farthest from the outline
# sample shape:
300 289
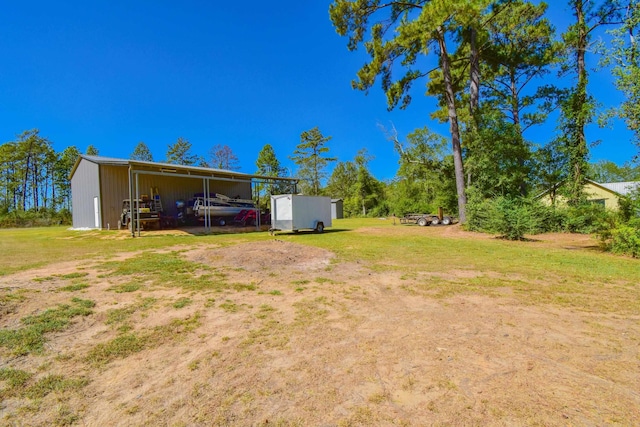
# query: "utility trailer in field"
425 219
293 212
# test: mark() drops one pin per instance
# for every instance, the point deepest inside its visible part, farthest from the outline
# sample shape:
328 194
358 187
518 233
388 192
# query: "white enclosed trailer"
293 212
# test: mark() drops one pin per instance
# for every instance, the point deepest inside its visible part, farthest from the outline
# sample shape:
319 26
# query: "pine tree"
92 151
179 153
310 157
403 33
142 152
578 109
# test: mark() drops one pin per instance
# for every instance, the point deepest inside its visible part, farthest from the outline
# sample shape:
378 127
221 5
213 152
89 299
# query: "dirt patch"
287 335
265 257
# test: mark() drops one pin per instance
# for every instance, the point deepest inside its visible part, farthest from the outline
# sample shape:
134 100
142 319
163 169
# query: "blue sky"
242 74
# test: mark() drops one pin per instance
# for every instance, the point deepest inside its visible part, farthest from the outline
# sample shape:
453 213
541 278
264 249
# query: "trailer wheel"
422 222
446 220
435 220
320 227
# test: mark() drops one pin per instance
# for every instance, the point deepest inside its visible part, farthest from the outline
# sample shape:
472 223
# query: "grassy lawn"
30 248
390 324
535 271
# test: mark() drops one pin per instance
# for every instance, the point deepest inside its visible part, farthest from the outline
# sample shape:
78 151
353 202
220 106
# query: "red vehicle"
248 217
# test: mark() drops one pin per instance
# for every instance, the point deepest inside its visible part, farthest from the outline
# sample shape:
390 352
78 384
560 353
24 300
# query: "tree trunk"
474 86
474 90
578 150
25 182
515 111
453 126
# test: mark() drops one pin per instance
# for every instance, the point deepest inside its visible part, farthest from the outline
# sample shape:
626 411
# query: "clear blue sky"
242 74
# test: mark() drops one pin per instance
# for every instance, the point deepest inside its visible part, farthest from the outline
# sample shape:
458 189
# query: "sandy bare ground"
310 341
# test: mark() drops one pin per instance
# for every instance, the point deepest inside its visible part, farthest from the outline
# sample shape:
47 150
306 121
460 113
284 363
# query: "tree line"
495 60
34 178
495 64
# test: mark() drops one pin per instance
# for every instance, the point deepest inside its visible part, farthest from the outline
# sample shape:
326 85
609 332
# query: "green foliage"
360 192
425 179
30 338
35 218
142 152
268 165
520 48
511 218
549 167
579 106
608 171
30 174
310 156
179 153
402 34
499 158
587 218
626 240
92 151
624 56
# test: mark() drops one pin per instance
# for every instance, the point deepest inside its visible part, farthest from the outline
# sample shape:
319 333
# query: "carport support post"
133 233
205 202
256 189
136 204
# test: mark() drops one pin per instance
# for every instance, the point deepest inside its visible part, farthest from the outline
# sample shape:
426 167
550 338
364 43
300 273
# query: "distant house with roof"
607 194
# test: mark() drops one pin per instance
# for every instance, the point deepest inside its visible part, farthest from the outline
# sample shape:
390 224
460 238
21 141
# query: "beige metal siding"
84 187
114 183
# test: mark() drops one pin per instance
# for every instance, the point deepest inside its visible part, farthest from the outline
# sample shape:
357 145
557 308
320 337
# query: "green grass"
11 298
31 337
118 316
57 244
229 306
15 381
130 343
75 275
54 383
535 272
125 287
18 384
74 288
182 302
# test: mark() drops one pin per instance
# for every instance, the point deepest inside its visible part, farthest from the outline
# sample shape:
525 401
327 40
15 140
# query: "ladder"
157 202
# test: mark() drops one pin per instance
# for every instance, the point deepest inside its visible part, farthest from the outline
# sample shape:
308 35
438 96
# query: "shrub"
511 218
479 212
626 240
587 218
32 218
